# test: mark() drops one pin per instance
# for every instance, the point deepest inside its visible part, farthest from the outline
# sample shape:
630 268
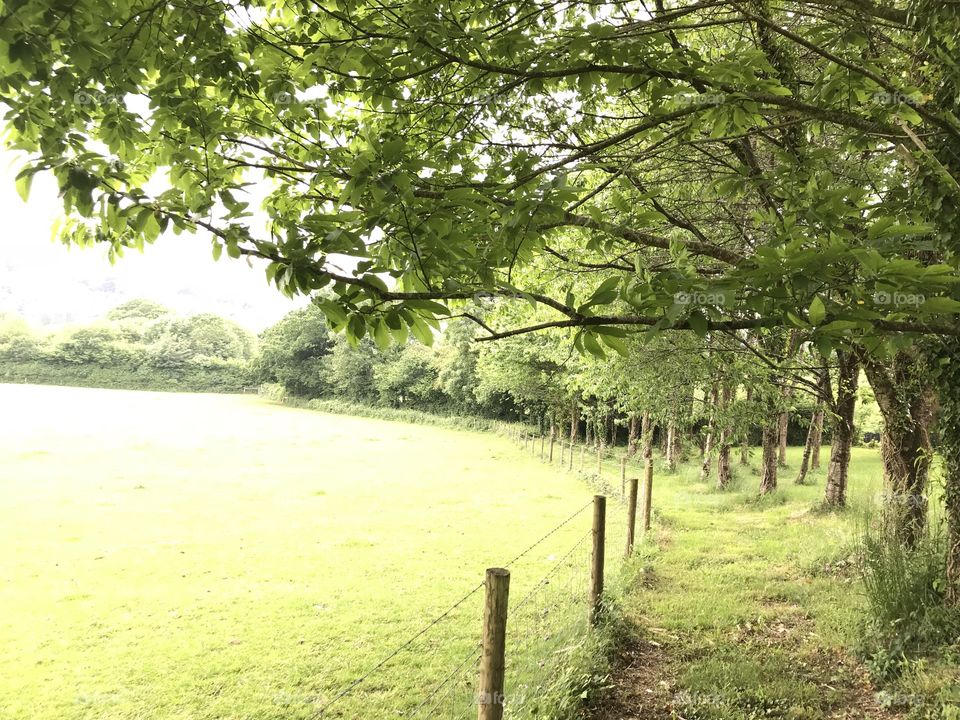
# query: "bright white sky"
52 285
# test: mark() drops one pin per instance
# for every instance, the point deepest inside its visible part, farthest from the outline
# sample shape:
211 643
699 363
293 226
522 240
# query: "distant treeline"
142 345
139 345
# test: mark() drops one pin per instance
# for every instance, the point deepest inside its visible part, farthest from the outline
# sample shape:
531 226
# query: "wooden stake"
631 515
552 440
492 662
623 475
647 492
596 565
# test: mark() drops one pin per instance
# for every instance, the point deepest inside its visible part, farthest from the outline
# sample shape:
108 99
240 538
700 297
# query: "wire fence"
548 628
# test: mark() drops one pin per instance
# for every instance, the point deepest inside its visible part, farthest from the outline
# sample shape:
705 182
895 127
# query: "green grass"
200 556
756 604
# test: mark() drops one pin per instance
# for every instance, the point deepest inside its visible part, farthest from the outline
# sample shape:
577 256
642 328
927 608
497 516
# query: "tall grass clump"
904 589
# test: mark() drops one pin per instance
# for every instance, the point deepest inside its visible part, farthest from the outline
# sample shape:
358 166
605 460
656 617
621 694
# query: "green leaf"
817 311
616 343
698 323
428 305
940 305
23 183
421 331
592 346
381 334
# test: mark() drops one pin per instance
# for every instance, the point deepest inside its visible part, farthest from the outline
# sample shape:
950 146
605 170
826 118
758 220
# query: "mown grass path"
747 604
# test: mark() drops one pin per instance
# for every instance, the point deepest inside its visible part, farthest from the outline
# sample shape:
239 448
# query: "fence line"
436 621
564 609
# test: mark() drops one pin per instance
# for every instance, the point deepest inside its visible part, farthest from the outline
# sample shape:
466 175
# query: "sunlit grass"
185 556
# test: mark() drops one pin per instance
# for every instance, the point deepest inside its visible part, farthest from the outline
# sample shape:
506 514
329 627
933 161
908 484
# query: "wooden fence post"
647 492
596 565
583 449
571 456
562 454
492 662
599 460
552 441
623 475
543 440
631 514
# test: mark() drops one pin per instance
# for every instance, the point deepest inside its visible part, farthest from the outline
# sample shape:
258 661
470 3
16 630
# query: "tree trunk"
848 375
708 440
671 446
723 454
588 439
745 441
783 425
631 436
574 421
808 447
908 404
816 440
768 465
646 435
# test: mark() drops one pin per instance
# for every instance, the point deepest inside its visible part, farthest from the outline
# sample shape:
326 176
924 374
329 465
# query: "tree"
407 378
292 352
180 340
137 310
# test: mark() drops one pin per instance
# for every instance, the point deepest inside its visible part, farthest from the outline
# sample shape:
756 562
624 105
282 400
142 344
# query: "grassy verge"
754 608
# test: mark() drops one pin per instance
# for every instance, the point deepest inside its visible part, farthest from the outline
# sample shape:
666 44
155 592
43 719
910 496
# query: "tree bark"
768 473
574 421
632 436
708 440
808 447
907 403
723 455
783 425
816 441
842 429
646 435
745 441
671 446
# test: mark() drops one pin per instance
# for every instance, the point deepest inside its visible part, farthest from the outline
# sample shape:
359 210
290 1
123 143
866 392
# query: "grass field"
197 557
200 556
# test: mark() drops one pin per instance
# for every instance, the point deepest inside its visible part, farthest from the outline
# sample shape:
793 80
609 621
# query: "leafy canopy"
711 166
